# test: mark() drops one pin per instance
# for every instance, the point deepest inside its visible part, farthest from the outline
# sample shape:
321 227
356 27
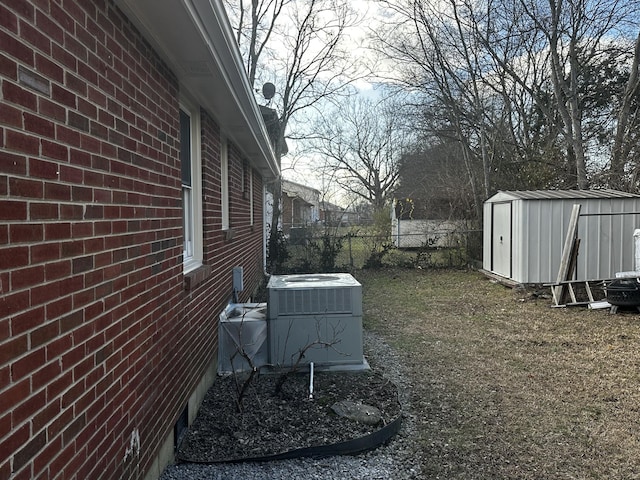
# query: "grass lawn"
503 385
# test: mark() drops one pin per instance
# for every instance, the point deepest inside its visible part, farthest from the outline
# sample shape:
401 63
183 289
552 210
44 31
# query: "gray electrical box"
238 280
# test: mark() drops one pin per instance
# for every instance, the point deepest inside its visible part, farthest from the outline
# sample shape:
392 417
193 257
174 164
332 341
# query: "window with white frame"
224 182
191 185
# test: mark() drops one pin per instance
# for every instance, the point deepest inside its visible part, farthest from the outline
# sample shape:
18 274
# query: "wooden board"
568 262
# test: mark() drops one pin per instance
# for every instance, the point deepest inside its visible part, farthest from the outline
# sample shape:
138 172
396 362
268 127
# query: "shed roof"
507 195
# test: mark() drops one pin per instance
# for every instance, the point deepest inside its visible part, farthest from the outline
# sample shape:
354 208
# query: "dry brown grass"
503 385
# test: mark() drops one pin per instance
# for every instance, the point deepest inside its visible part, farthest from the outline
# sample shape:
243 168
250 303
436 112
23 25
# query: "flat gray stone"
358 412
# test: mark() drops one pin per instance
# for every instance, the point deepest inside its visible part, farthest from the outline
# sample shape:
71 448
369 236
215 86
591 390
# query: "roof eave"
196 41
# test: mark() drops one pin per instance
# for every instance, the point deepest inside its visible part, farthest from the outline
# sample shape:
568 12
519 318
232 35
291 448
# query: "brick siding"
101 334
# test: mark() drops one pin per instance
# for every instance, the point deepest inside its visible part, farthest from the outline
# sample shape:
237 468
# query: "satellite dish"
268 90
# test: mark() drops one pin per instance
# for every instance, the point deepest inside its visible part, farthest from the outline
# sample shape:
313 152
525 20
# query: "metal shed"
524 233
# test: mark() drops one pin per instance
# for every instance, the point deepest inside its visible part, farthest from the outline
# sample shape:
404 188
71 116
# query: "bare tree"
440 58
361 142
522 78
578 33
580 49
627 125
256 21
434 182
298 46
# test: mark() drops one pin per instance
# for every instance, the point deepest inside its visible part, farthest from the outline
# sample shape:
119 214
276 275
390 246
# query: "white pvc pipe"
636 240
311 380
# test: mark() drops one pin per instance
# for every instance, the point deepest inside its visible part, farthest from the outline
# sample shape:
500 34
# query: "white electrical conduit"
636 241
311 381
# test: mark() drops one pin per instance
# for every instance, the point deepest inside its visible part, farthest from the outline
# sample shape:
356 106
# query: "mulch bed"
272 423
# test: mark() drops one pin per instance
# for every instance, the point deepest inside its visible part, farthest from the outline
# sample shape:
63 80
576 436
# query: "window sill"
195 277
228 234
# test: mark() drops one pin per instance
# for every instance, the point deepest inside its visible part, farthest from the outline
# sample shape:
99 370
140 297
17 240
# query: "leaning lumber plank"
568 251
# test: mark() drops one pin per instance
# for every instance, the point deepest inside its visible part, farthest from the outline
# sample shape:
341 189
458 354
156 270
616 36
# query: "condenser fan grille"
315 301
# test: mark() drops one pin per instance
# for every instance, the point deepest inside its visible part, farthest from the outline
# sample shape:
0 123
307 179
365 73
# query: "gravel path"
398 460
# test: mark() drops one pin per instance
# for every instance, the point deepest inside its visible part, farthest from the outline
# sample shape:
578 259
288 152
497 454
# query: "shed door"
501 239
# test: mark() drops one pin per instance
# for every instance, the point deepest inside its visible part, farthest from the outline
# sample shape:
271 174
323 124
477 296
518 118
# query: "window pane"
191 170
224 182
185 147
187 214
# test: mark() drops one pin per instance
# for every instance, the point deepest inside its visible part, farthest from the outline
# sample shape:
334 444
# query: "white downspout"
265 226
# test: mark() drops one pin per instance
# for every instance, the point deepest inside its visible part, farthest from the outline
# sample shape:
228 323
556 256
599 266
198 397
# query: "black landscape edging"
349 447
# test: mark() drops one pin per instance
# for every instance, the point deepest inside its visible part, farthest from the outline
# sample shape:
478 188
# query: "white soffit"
195 38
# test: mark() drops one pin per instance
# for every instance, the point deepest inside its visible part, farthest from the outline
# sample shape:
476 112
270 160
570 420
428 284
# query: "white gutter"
196 40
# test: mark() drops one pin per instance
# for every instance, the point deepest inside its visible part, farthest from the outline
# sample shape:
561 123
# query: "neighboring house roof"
331 207
308 194
195 38
508 195
299 199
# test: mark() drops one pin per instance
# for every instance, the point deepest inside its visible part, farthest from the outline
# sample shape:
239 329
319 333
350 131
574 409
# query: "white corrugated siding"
540 225
486 236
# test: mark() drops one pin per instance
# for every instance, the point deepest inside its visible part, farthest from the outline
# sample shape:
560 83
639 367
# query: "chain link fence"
355 250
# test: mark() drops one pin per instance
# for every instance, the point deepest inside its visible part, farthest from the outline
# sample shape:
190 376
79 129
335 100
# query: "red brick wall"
99 337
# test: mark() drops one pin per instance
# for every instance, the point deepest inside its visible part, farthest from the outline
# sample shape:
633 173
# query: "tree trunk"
620 144
566 94
274 254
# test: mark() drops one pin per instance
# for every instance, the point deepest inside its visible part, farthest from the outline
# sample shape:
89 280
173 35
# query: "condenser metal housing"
242 327
319 315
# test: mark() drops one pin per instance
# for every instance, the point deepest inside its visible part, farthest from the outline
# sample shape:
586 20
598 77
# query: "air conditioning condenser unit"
317 317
